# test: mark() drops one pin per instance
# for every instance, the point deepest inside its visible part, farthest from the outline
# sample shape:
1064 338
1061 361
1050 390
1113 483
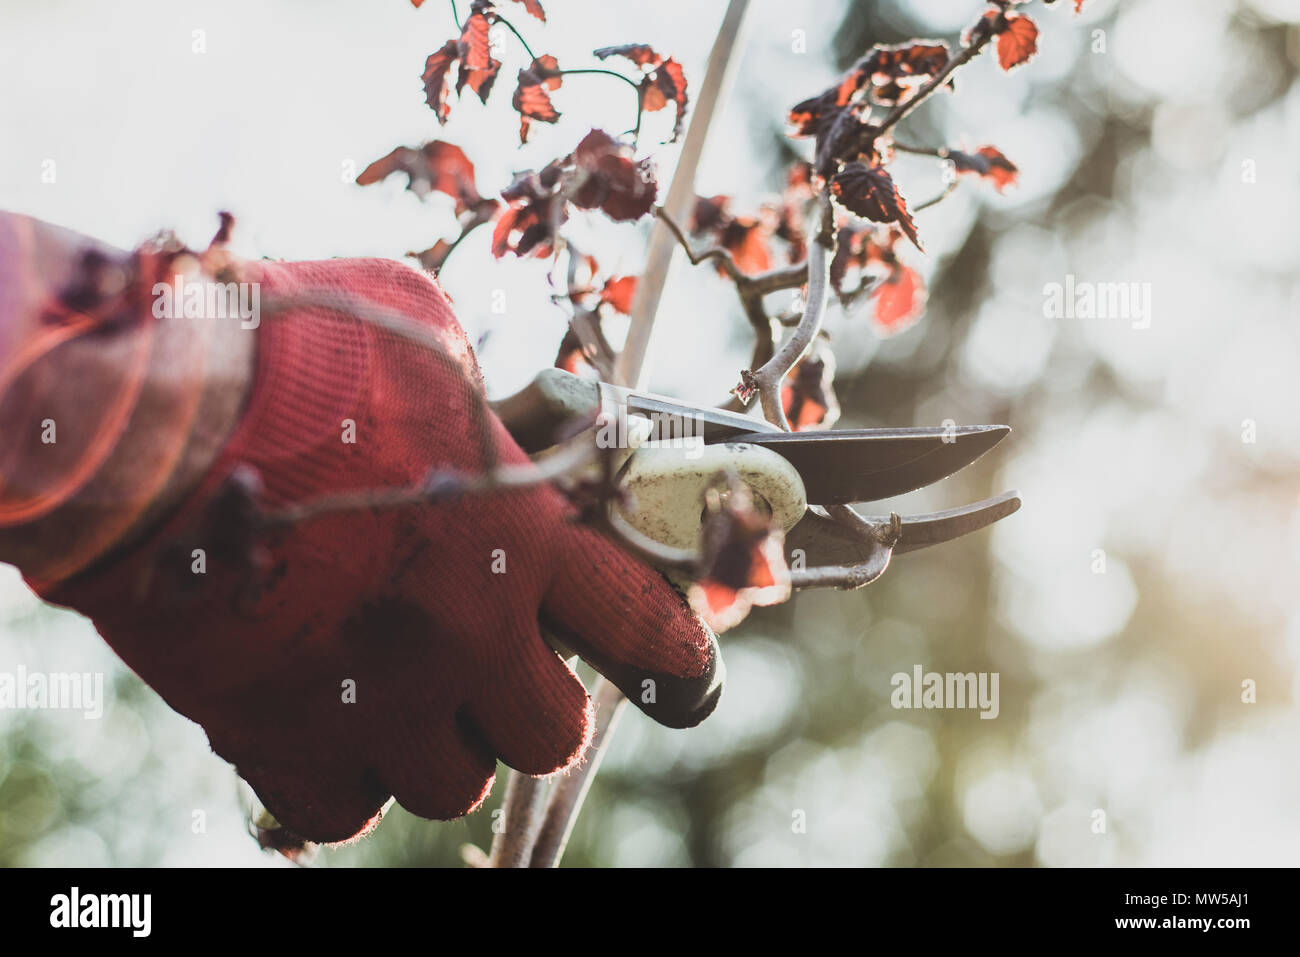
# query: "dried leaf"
531 98
434 167
870 191
619 291
900 300
747 241
808 395
535 8
1017 41
478 68
742 561
436 68
710 213
639 53
431 259
614 182
988 163
663 85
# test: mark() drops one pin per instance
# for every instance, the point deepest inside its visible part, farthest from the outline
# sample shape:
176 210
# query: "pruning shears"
674 451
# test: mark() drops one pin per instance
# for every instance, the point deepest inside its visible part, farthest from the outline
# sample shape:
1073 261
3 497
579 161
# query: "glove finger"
630 624
325 805
436 771
540 718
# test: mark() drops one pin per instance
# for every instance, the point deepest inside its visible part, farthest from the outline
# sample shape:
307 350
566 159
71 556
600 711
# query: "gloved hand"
376 652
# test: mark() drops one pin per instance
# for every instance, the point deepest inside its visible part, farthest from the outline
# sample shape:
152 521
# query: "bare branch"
513 844
443 486
767 379
936 200
919 150
571 789
750 289
962 56
645 304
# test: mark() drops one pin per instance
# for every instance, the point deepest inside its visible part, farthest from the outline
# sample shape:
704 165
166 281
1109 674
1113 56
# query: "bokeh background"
1152 571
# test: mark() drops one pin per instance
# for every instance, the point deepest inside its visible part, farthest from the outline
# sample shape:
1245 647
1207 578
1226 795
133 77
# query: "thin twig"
919 150
964 55
571 790
518 36
455 243
566 799
522 807
681 193
767 379
749 289
640 102
586 323
446 487
936 200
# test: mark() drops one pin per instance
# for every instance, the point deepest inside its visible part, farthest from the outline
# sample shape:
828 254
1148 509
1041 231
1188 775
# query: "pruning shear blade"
825 541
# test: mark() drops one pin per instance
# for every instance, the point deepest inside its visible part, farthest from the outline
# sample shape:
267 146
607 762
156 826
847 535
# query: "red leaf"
808 395
619 292
435 73
842 137
986 162
790 225
416 3
533 7
639 53
620 187
746 240
718 599
848 246
434 167
883 65
710 213
870 191
888 66
531 98
798 181
663 82
918 58
742 563
571 357
527 227
525 230
480 81
900 300
807 116
475 41
548 69
431 259
478 68
1017 41
663 85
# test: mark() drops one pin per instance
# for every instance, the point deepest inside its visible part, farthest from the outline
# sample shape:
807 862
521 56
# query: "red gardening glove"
376 652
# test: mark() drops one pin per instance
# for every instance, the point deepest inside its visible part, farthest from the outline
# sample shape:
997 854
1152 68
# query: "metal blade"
716 425
865 465
825 541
